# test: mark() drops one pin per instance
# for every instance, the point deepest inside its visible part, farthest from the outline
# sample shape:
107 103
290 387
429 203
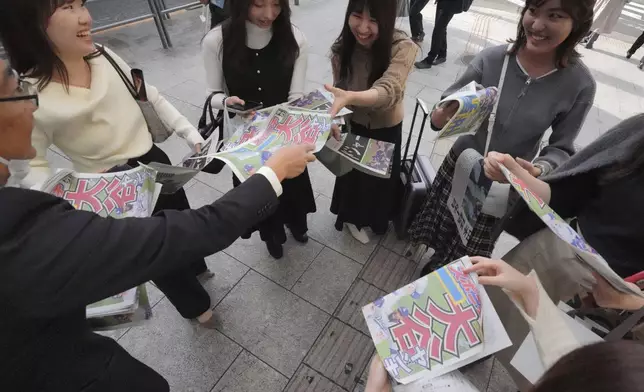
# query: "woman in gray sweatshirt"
546 85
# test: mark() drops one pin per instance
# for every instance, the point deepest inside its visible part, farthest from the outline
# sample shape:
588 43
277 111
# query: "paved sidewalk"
295 324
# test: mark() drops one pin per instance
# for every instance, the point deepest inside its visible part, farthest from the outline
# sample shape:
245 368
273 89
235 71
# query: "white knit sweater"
100 127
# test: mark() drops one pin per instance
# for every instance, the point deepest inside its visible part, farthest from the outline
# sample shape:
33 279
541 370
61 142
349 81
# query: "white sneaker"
360 235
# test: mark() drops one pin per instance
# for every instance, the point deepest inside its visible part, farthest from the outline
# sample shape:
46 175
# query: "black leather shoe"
275 250
629 55
302 238
440 60
418 38
425 64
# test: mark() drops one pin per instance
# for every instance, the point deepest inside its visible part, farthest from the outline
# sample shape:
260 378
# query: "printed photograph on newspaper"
284 127
370 156
425 328
117 195
318 101
566 233
475 106
470 187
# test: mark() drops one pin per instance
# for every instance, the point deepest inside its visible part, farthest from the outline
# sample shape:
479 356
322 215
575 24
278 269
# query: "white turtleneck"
256 38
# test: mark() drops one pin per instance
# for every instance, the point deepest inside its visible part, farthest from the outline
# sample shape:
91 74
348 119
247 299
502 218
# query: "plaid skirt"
434 225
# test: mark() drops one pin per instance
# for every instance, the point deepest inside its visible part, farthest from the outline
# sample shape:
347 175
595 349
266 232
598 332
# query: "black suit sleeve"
70 258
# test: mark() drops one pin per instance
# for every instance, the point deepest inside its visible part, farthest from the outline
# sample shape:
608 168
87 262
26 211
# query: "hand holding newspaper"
584 251
128 194
434 325
475 104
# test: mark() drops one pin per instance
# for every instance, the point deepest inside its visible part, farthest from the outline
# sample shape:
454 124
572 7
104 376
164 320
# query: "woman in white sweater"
89 114
258 55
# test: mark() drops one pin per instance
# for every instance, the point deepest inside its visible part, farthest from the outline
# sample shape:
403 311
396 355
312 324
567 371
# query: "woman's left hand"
607 296
336 132
198 148
378 379
342 99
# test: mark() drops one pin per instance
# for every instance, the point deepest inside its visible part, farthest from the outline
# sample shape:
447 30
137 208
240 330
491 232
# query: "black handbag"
209 124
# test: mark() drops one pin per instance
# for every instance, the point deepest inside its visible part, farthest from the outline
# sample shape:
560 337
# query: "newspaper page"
370 156
470 187
589 256
474 107
320 101
128 194
284 127
450 382
427 328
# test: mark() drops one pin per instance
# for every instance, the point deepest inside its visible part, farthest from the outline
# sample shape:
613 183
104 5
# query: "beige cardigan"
388 110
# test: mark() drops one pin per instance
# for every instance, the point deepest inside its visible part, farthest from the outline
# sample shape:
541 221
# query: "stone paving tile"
285 271
387 270
248 373
327 280
270 322
189 357
479 374
341 354
350 310
500 380
322 229
391 242
362 381
200 194
308 380
223 181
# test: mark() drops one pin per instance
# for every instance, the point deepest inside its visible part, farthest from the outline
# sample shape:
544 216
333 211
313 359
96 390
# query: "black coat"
455 6
55 260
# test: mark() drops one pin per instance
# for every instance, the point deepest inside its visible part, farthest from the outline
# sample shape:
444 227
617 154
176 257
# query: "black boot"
275 249
301 237
425 64
629 55
440 60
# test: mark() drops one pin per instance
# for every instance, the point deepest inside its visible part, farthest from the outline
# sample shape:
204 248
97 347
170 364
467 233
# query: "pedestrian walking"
218 11
445 11
606 15
636 45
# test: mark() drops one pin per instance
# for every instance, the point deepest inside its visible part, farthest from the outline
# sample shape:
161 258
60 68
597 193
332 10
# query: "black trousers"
438 49
416 18
180 286
217 15
638 44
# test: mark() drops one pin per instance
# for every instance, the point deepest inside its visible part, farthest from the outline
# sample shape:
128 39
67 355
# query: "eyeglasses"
26 91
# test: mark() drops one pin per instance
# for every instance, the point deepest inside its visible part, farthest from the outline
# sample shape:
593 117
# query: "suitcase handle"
423 106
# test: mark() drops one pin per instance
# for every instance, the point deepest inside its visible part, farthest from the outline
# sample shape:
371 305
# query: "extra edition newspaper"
370 156
475 104
128 194
435 325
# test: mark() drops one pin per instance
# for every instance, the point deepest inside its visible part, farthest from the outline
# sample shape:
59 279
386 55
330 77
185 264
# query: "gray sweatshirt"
528 107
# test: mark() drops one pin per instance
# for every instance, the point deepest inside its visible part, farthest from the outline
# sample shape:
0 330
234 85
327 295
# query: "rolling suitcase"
416 174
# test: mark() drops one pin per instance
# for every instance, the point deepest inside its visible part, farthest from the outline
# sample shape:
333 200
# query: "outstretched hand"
291 161
378 379
342 99
607 296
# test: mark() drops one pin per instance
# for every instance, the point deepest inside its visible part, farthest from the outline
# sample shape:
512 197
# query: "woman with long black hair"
87 111
258 55
371 61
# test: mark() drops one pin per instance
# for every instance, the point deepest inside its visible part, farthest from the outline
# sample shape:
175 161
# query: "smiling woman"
89 114
546 85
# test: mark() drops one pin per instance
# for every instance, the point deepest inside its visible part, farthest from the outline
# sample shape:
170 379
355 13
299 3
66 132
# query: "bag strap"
492 118
128 83
419 104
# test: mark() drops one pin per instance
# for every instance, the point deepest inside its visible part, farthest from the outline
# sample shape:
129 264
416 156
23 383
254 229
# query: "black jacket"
455 6
55 260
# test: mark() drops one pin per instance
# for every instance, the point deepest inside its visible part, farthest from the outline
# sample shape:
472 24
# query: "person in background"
416 8
55 260
570 367
636 45
258 55
546 85
87 112
445 11
606 15
218 11
371 61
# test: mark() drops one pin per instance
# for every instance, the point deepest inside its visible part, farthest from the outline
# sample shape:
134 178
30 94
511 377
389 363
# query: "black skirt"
368 201
297 200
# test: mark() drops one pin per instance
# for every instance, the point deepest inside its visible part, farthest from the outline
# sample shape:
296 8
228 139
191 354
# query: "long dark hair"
23 32
384 12
234 34
616 366
581 12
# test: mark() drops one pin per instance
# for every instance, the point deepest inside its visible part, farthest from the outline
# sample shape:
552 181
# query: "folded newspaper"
589 256
370 156
475 104
320 101
435 325
128 194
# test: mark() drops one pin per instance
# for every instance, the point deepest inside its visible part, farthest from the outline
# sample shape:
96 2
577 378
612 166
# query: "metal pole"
159 24
162 7
122 23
